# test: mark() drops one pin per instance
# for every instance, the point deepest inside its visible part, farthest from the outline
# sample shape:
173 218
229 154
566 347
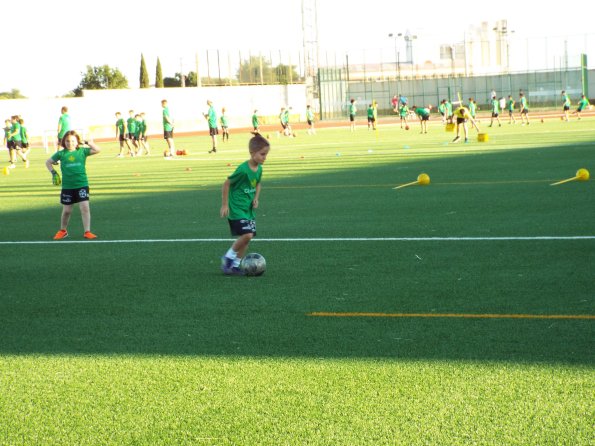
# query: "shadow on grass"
170 298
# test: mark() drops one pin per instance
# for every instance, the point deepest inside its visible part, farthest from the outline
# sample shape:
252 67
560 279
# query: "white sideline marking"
314 239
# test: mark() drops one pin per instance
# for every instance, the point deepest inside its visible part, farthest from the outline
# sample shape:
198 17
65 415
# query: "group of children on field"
132 131
16 140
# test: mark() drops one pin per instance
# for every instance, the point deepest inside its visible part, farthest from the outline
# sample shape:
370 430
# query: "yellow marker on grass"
423 179
581 175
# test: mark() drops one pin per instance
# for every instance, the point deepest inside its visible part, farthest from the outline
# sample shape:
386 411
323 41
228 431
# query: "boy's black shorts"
213 131
243 226
72 196
168 134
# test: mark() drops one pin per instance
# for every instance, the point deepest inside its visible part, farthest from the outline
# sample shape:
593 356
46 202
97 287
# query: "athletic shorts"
371 119
243 226
72 196
566 107
310 122
25 145
168 134
17 145
461 120
122 138
525 111
495 115
213 131
130 136
510 112
425 117
352 118
578 110
283 125
10 145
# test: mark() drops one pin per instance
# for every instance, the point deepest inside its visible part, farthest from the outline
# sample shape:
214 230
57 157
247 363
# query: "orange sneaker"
89 235
62 233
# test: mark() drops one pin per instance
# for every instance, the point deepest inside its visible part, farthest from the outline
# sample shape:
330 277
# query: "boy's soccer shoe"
89 235
62 233
226 264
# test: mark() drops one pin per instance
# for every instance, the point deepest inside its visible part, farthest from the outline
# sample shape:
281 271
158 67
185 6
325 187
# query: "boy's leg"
85 215
65 218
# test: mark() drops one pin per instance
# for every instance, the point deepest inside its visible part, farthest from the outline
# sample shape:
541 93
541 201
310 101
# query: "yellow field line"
456 315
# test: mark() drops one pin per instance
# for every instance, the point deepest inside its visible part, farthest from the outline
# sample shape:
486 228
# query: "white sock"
231 254
236 262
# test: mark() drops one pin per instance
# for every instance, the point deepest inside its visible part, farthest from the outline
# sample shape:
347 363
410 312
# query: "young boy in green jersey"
143 133
121 132
352 112
131 125
239 198
524 109
310 120
510 107
582 104
24 139
565 106
255 122
495 111
168 131
424 116
211 117
7 143
473 109
63 124
371 120
138 135
224 125
74 181
403 112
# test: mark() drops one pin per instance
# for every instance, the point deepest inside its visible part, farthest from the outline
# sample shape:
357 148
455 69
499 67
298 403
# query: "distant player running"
582 104
524 109
565 106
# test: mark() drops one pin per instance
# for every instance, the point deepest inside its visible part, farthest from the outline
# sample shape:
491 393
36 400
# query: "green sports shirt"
242 190
72 166
254 120
120 126
309 115
583 103
403 110
472 108
566 100
24 136
16 127
166 125
352 109
510 105
423 112
212 117
370 112
223 120
64 123
495 106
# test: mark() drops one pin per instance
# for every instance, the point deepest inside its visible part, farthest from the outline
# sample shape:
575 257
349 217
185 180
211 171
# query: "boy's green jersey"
254 120
120 126
309 114
472 108
212 117
16 127
523 102
566 100
449 108
352 109
138 127
423 112
510 105
285 117
223 121
242 190
495 106
6 133
143 127
403 111
24 137
442 108
132 125
370 112
166 116
64 123
583 103
72 165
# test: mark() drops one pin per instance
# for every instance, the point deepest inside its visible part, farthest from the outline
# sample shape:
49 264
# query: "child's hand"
255 203
224 211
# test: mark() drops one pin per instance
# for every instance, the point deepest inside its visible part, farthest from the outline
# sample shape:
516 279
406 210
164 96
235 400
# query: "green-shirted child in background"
138 135
5 142
495 111
473 108
310 120
211 117
510 107
582 105
255 123
524 109
449 114
121 134
24 138
239 198
143 133
565 105
74 181
131 125
403 113
16 142
423 113
63 125
224 125
352 112
371 119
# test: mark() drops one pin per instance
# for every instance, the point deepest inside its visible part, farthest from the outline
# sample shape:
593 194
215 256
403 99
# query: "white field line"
313 239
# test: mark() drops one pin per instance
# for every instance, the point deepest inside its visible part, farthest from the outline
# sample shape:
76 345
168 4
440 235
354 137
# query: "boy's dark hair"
257 143
352 100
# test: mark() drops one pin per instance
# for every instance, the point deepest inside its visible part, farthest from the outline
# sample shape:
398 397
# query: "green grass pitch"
137 338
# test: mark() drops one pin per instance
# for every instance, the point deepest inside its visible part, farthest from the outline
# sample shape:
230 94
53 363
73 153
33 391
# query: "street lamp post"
397 55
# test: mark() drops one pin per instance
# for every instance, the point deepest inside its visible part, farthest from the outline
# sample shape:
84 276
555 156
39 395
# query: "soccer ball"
253 264
406 127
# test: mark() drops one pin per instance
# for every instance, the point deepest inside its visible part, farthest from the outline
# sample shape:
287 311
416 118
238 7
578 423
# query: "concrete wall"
95 111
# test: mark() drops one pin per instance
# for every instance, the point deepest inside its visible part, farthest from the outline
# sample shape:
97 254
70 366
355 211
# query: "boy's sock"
236 262
231 254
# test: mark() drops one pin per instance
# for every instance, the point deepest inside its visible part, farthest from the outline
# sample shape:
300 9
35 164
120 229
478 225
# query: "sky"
56 41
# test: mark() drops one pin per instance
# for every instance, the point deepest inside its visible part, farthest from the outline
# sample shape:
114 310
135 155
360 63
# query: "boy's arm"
95 149
256 195
225 199
50 163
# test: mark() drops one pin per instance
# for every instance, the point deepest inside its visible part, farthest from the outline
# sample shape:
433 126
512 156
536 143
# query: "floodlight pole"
397 55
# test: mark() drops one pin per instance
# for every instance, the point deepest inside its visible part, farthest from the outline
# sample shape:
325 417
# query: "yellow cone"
581 175
423 179
6 171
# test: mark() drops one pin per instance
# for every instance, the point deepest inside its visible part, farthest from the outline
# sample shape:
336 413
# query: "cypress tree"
144 75
158 75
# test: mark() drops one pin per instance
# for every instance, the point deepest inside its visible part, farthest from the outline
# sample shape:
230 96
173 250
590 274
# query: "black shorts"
213 131
310 122
352 118
461 120
494 115
525 111
243 226
122 138
10 145
283 125
425 117
130 135
168 134
371 119
72 196
25 145
566 107
16 145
